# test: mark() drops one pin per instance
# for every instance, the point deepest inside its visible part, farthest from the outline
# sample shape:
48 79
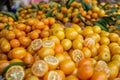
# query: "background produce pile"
68 41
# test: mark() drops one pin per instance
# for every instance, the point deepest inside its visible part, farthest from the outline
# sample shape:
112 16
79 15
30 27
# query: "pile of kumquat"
39 47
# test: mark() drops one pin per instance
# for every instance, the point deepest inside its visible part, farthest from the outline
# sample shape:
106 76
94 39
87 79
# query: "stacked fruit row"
36 45
86 13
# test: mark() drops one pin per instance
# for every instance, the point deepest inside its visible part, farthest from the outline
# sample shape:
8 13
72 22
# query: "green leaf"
13 64
82 19
33 15
17 14
49 13
104 7
118 26
35 6
114 9
42 2
65 15
102 21
69 2
7 27
118 16
102 26
83 5
51 5
109 20
11 14
76 15
86 6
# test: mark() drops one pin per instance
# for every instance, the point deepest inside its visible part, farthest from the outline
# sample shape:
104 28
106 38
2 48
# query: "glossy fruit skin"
77 44
87 52
71 77
60 34
77 28
104 40
66 43
21 27
87 31
15 60
10 35
5 45
34 35
85 66
113 71
60 57
2 26
99 76
14 43
28 59
116 57
87 74
18 53
43 52
55 40
105 56
3 64
96 29
3 56
58 49
67 66
25 41
113 37
71 33
18 33
32 78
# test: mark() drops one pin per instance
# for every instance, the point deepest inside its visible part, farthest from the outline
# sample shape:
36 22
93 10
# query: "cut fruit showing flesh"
101 66
48 44
36 44
15 73
52 75
89 42
52 62
39 68
77 55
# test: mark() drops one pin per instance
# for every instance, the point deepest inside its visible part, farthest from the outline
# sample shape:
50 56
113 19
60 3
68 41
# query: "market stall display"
53 41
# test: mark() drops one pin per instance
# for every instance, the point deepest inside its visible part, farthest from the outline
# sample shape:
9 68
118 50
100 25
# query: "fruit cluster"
64 13
39 48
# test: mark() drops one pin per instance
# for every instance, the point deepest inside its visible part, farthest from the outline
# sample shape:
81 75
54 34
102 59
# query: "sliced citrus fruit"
89 42
12 64
36 44
77 55
39 68
48 44
61 74
15 73
51 75
101 66
52 62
